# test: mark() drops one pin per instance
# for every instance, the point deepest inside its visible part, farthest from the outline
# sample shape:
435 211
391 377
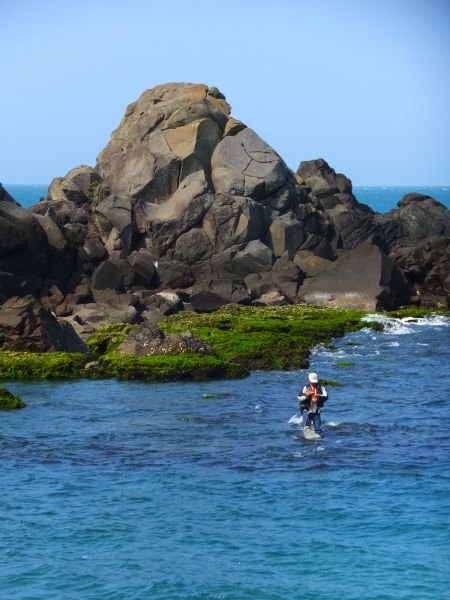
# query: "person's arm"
324 394
303 395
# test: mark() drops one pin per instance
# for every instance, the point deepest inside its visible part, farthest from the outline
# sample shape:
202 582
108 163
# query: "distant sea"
380 198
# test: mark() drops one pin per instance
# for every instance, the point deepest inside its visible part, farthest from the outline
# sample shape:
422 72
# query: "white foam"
391 326
295 420
433 321
393 344
332 423
259 408
406 325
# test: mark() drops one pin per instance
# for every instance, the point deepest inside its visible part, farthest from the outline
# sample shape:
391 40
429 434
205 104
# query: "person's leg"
318 423
306 419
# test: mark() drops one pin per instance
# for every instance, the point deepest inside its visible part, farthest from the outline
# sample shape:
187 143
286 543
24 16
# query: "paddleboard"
310 434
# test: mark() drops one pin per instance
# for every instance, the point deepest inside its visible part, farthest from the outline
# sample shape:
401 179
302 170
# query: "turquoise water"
124 490
380 199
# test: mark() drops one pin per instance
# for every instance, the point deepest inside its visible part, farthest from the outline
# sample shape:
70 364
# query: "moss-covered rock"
108 337
8 400
275 337
41 365
167 367
242 337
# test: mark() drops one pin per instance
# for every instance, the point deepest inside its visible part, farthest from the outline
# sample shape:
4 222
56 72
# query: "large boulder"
364 278
322 180
416 218
78 186
167 134
112 220
26 325
244 165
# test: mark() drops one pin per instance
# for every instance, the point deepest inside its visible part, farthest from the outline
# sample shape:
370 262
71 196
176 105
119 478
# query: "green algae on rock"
41 365
167 367
276 337
9 401
108 337
242 338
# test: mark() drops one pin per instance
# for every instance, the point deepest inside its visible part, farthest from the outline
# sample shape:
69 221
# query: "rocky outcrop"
149 340
187 200
26 325
379 283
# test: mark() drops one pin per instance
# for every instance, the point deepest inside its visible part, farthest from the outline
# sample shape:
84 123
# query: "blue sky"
363 84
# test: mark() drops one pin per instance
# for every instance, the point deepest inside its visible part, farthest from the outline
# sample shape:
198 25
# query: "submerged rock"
9 400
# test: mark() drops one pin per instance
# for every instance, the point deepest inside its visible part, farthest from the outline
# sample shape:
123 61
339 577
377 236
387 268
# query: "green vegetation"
93 190
330 383
278 337
8 400
108 337
41 365
163 368
344 363
242 337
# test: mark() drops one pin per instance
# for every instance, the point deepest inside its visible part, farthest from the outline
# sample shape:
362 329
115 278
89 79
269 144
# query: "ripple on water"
184 490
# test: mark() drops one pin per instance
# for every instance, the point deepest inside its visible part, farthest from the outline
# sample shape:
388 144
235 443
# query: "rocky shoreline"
186 211
228 343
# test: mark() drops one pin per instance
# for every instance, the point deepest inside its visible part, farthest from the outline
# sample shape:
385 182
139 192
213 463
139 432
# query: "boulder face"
187 200
26 325
379 284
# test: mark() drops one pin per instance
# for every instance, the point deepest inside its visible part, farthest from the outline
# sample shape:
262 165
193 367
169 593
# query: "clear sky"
364 84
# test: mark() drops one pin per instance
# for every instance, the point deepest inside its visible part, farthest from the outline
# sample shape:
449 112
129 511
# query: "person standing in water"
312 398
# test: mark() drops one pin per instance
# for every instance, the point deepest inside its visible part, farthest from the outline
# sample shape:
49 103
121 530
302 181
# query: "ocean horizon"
379 198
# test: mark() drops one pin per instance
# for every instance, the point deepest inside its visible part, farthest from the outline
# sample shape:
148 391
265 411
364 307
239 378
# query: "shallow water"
124 490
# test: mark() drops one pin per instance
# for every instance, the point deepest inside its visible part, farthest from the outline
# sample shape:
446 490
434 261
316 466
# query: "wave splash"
406 325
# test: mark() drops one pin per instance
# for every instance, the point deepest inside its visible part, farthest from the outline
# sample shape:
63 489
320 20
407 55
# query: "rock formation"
187 206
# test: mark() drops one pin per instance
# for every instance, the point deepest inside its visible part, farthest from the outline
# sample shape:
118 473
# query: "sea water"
381 199
206 491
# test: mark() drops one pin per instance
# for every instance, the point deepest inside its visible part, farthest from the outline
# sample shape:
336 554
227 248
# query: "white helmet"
313 378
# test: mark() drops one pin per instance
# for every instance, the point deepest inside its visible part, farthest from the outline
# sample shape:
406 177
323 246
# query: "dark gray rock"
286 235
206 302
362 278
113 274
143 262
244 165
26 325
174 274
322 179
78 186
255 257
5 197
193 246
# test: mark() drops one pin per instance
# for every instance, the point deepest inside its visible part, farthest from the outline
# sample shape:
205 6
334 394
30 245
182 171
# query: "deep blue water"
124 490
380 199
